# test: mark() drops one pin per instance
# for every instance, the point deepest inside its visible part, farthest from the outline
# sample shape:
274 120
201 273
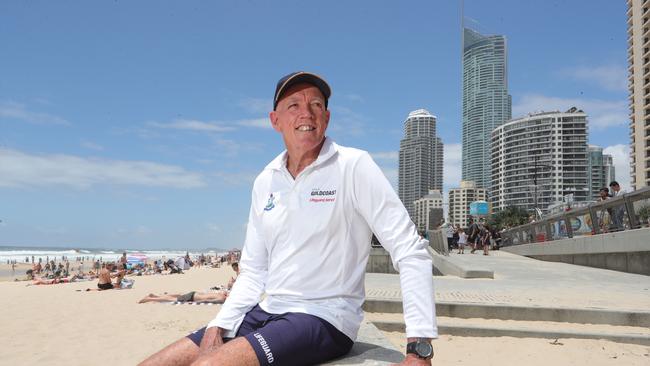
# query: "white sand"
510 351
56 325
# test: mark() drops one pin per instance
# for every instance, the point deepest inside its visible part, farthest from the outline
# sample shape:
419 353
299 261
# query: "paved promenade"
521 281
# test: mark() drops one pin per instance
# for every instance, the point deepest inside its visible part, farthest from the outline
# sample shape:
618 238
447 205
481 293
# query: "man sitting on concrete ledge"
313 211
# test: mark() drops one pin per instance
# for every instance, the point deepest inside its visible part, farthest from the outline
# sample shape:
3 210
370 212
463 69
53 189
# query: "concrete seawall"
624 251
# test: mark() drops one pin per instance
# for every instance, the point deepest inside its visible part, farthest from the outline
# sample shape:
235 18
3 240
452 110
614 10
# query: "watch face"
423 350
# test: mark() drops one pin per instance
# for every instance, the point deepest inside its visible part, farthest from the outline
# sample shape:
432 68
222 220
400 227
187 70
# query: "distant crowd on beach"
115 274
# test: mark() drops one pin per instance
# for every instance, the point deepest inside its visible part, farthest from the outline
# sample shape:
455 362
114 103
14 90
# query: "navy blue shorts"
289 338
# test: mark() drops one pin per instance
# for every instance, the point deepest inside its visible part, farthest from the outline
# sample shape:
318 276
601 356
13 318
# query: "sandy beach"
57 325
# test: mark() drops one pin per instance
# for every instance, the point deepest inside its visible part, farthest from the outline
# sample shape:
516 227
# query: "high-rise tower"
420 159
486 102
638 35
539 159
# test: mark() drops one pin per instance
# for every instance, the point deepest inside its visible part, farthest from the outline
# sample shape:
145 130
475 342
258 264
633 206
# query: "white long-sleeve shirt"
308 242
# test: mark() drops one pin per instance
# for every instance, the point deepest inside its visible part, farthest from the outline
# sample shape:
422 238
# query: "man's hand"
212 340
413 360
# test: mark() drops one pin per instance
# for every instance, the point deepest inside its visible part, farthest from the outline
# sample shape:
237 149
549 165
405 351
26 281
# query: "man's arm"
388 219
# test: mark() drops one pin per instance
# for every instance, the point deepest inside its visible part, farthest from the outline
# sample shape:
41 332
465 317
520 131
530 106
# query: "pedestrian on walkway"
462 240
450 237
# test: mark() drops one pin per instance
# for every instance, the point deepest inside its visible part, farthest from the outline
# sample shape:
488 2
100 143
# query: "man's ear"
327 118
273 116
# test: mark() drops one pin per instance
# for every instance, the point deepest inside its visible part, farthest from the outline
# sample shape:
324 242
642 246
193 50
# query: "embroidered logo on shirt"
269 203
318 195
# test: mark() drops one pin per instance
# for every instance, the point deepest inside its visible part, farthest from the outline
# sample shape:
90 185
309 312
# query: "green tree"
510 216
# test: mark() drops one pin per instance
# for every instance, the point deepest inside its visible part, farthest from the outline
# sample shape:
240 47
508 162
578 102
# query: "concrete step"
371 348
521 313
520 329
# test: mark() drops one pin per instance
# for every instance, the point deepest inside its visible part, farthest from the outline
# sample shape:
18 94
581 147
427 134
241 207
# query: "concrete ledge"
512 312
516 331
371 348
624 251
379 261
451 266
628 241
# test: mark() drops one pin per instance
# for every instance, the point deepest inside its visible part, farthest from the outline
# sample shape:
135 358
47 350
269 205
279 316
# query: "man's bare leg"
182 352
218 297
159 298
237 352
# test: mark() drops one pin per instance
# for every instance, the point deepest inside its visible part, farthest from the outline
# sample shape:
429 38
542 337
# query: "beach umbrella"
136 258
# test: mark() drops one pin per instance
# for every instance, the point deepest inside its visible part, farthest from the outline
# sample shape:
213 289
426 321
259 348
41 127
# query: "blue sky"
143 124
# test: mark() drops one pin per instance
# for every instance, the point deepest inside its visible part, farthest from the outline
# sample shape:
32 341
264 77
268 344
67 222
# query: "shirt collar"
328 150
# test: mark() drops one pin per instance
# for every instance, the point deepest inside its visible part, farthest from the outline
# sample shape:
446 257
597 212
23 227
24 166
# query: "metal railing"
628 211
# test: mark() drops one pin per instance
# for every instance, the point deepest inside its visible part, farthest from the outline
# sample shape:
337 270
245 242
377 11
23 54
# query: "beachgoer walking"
450 237
472 235
462 240
123 261
485 240
315 208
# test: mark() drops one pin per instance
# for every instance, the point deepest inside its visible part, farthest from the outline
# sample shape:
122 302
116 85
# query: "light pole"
535 178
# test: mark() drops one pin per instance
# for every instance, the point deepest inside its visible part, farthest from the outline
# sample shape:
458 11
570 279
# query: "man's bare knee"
237 352
181 352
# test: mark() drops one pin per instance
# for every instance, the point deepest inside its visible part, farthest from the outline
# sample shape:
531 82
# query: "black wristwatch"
421 348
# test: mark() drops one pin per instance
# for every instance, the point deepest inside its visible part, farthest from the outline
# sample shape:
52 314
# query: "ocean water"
19 254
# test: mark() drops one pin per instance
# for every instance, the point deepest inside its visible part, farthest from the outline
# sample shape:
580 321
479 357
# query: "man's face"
616 187
301 118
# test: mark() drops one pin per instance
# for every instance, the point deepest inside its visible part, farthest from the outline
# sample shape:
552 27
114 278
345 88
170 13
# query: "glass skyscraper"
486 102
420 159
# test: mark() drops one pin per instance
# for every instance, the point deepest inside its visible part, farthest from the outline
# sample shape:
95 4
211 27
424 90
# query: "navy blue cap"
301 77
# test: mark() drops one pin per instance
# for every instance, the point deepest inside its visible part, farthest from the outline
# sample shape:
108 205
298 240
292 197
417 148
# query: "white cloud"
91 145
52 230
212 227
392 174
11 110
212 126
194 125
228 147
601 114
346 120
388 163
452 171
621 155
142 230
392 156
245 179
256 122
353 97
257 105
19 169
610 77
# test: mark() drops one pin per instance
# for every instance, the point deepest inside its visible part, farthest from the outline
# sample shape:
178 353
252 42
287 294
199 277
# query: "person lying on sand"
193 296
50 281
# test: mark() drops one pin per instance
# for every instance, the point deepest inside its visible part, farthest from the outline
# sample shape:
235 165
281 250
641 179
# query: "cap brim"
303 77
